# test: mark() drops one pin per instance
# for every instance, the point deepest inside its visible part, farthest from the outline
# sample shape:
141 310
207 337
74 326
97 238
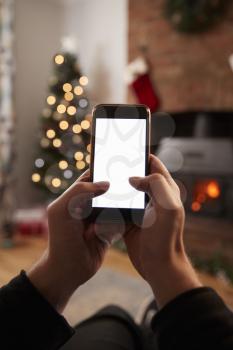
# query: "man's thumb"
136 182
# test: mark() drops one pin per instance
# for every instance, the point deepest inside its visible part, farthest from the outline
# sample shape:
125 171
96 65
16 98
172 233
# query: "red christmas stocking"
145 92
137 76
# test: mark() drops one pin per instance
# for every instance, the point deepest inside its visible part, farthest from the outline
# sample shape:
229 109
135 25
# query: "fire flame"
196 206
213 189
205 190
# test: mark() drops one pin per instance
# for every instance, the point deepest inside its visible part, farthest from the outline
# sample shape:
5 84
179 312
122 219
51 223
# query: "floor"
205 237
117 282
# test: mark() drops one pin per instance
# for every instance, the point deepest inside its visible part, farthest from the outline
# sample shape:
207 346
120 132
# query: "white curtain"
6 110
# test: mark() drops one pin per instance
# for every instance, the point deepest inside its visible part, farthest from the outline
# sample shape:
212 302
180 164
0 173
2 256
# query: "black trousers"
111 328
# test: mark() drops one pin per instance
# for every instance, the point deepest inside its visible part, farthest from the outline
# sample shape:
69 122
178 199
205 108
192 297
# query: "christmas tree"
65 128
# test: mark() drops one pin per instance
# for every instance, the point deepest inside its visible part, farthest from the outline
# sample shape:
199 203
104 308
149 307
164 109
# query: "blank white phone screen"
120 152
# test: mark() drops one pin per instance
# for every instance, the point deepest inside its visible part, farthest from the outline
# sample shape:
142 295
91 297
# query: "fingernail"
134 180
103 185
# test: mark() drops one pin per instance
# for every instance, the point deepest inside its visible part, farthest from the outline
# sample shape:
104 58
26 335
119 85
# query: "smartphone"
120 147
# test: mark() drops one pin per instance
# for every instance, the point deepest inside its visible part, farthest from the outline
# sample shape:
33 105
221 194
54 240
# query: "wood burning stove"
201 160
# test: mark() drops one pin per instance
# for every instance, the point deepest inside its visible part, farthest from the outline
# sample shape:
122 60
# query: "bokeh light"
44 142
69 96
57 116
63 164
171 157
83 103
57 143
51 100
78 155
56 182
68 174
36 177
196 206
39 162
80 164
83 80
78 90
76 128
85 124
67 87
71 110
162 126
63 125
59 59
50 133
76 139
61 108
53 80
213 189
46 112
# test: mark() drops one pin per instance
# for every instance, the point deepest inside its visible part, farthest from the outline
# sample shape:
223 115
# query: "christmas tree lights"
65 128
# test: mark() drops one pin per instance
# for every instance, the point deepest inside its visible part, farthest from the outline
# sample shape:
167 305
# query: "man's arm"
30 305
197 319
191 317
27 320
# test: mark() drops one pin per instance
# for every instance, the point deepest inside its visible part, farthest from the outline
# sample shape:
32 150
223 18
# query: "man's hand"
74 253
156 249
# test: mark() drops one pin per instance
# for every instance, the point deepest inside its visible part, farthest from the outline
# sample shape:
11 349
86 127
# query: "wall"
101 29
37 31
190 71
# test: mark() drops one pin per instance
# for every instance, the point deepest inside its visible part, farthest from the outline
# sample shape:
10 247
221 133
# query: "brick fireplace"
192 76
189 71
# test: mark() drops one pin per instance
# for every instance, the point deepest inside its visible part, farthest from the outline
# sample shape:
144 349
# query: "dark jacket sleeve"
195 320
27 320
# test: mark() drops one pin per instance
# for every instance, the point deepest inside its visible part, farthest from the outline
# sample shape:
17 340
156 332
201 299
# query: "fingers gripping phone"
120 149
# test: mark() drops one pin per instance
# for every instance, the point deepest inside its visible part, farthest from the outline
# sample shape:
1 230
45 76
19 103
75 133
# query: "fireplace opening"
206 195
199 154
